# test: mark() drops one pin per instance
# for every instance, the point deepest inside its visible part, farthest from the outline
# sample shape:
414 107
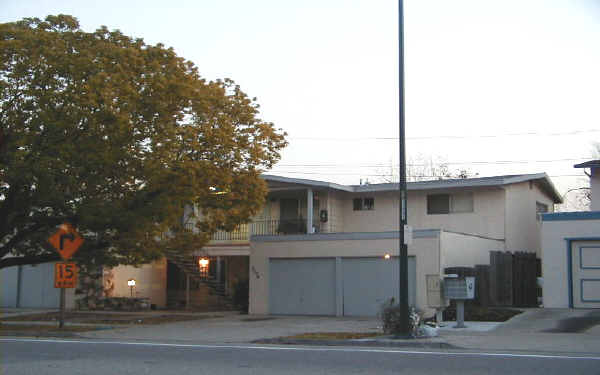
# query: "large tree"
115 137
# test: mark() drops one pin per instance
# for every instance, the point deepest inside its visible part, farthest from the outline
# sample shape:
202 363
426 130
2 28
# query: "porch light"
215 191
387 256
203 265
131 284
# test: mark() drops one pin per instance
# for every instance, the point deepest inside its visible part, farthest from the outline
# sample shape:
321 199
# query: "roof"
542 178
588 164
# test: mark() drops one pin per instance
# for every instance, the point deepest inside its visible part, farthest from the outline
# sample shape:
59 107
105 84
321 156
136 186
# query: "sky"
492 87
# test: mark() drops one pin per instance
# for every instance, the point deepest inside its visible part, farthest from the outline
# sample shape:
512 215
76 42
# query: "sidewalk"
529 332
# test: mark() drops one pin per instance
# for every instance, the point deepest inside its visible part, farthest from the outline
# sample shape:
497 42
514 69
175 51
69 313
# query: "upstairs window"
438 204
363 204
449 203
541 208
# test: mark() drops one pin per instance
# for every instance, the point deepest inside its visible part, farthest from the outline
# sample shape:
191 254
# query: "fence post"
483 284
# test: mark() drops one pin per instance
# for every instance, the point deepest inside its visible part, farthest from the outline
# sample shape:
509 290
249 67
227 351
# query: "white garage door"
369 282
586 274
302 286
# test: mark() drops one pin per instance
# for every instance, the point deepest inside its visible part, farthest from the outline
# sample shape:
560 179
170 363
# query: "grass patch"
105 318
333 336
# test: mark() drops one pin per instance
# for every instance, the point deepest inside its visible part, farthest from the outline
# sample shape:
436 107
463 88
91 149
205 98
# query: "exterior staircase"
188 265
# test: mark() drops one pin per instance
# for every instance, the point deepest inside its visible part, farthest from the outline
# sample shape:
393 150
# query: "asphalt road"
66 357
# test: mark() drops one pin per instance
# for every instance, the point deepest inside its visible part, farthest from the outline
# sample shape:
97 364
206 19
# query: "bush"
241 296
390 318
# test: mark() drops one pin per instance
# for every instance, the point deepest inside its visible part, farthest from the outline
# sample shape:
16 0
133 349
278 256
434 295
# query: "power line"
387 175
334 165
449 137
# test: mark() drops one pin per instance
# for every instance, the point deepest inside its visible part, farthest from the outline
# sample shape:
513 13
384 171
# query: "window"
449 203
438 204
541 208
363 204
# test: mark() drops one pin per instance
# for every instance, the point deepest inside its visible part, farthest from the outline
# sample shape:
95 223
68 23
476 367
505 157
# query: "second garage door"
369 282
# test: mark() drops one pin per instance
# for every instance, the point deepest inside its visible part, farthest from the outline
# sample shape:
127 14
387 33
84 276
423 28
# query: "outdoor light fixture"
131 283
387 256
215 191
203 265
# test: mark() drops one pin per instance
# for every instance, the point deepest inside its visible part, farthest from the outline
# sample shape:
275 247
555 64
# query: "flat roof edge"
350 236
570 216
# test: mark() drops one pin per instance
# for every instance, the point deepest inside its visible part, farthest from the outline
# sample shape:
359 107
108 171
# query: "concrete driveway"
536 330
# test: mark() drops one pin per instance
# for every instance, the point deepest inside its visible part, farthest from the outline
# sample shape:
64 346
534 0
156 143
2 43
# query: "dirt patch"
257 319
577 324
11 329
332 336
105 318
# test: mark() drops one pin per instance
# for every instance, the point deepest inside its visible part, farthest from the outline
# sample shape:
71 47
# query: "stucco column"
309 211
219 269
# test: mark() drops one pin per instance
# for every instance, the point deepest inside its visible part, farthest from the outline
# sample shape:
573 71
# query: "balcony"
262 228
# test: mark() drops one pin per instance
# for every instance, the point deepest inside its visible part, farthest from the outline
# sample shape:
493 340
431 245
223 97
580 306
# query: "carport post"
309 211
187 292
404 327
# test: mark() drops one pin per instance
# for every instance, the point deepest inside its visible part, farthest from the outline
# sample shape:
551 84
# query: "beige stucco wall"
460 250
522 224
554 256
426 251
383 218
151 282
335 210
487 218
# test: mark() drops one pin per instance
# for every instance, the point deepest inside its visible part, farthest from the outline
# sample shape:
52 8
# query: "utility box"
435 296
459 288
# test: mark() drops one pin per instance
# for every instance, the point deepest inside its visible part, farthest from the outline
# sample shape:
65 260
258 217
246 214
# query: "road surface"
65 357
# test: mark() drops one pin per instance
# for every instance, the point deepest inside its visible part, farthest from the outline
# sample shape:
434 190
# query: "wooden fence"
509 280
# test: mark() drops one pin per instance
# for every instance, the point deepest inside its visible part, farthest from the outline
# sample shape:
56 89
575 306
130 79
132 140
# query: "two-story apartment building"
341 267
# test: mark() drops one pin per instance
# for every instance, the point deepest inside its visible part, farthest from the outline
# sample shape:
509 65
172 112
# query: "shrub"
390 318
241 296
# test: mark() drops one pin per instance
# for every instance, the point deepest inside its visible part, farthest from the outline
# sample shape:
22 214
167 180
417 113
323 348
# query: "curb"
390 343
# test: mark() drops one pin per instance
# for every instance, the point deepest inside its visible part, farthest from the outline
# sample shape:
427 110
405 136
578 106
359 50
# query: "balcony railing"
263 228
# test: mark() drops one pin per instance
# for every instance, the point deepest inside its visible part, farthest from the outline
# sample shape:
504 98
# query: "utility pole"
403 258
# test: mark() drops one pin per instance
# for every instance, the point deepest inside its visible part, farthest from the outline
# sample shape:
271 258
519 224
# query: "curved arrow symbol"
69 236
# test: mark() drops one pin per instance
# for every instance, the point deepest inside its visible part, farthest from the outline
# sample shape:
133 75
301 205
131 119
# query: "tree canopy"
115 137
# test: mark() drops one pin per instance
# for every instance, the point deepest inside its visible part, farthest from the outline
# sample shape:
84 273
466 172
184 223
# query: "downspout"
19 284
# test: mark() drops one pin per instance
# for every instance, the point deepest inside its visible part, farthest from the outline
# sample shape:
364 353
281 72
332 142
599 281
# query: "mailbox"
459 288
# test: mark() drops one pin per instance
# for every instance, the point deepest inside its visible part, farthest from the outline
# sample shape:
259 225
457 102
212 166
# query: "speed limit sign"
65 275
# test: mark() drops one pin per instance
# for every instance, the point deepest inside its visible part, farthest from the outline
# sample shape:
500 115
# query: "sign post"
66 241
